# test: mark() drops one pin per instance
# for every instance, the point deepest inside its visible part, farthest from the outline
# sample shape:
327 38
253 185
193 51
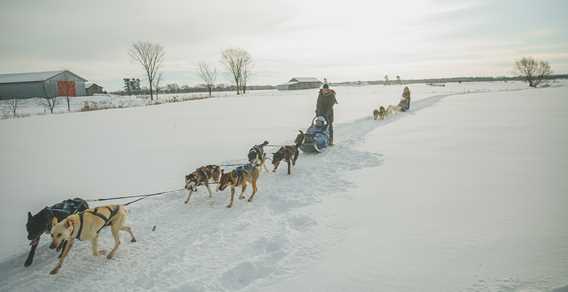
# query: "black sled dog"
41 222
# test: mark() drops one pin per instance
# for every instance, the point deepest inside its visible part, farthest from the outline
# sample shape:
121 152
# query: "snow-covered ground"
466 192
37 106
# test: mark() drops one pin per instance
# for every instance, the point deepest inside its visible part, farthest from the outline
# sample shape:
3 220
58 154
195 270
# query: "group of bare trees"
150 56
239 63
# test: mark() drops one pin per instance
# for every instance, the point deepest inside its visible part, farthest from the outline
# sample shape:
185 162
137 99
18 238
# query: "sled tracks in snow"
207 247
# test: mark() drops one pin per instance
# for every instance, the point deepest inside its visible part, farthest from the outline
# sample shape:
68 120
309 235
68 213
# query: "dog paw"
133 240
54 271
109 256
249 200
229 206
241 197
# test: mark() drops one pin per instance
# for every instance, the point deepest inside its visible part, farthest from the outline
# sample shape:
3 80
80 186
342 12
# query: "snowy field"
465 192
36 106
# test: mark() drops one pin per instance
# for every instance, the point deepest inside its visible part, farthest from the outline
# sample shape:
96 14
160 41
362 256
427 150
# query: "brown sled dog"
201 176
241 176
86 226
288 153
380 114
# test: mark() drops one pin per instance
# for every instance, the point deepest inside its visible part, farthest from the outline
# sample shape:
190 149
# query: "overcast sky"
343 40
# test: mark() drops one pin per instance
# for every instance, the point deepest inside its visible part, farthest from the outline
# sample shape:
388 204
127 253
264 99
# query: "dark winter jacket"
404 104
326 101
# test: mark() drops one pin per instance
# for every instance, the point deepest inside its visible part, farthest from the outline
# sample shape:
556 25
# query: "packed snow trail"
471 197
150 149
207 247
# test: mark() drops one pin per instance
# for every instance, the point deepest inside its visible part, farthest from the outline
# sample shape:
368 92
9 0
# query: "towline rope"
143 196
235 164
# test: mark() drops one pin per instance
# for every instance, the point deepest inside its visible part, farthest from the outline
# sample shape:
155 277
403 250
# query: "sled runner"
316 138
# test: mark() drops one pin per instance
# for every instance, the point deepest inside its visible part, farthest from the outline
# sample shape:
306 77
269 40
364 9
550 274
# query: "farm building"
92 88
41 84
300 83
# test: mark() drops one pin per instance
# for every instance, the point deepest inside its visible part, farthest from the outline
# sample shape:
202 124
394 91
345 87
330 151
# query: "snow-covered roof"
89 84
288 83
32 76
304 79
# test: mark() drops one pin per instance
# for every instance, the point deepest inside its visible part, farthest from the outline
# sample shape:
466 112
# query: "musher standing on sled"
324 107
404 103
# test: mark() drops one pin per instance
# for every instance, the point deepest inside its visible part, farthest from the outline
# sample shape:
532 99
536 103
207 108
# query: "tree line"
238 63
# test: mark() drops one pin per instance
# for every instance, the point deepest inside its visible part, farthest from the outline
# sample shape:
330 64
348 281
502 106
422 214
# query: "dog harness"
203 178
257 153
239 171
66 208
199 181
105 219
80 226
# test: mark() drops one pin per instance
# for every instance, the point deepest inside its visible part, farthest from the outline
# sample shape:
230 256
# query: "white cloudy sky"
340 40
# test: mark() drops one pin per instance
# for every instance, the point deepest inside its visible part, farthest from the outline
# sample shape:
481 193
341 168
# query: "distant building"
300 83
41 84
92 88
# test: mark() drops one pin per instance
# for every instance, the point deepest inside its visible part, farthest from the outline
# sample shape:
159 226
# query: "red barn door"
66 88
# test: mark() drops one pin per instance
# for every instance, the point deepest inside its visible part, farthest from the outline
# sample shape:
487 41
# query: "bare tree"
156 86
150 56
49 103
208 75
13 105
68 103
247 68
533 71
236 60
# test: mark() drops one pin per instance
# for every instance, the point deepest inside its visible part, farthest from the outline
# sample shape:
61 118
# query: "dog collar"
80 226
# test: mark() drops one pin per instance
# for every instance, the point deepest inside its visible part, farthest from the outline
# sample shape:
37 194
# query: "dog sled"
316 138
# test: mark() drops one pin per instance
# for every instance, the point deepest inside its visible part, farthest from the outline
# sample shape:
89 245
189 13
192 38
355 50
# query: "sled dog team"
381 113
73 219
245 174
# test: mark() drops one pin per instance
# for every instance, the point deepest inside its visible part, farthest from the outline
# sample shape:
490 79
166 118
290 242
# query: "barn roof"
89 84
304 79
32 76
